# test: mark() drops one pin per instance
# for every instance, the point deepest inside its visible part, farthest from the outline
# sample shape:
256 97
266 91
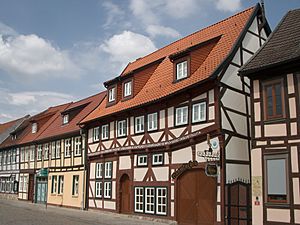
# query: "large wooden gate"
196 198
238 203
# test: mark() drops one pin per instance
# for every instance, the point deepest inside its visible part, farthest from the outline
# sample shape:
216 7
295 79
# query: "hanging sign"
184 167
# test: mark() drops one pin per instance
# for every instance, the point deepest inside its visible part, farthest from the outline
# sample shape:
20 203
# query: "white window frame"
34 128
60 189
96 134
53 150
144 159
32 151
157 159
139 199
98 189
139 124
127 88
201 114
122 128
75 185
180 118
46 150
159 199
54 185
66 119
108 170
39 152
104 132
58 149
152 121
22 153
77 146
107 189
99 170
181 70
21 184
112 94
68 144
148 197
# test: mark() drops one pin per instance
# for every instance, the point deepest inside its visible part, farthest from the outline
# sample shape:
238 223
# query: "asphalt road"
14 212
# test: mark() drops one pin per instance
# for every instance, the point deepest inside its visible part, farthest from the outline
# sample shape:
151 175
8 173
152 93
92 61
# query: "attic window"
34 128
66 119
181 68
112 94
127 89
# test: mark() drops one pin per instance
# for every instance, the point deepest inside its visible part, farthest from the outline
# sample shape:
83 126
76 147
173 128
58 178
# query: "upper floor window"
181 70
127 88
121 128
96 134
57 149
34 128
139 124
112 94
274 99
53 145
276 170
104 132
32 151
152 121
39 152
46 151
142 160
77 146
68 147
199 112
181 115
66 119
158 159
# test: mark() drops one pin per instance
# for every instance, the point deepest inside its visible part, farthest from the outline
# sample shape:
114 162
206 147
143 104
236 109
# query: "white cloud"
157 30
145 10
6 30
228 5
180 9
127 46
33 56
114 13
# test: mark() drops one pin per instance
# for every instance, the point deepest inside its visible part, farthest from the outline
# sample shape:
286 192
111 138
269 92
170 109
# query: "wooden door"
125 194
31 187
196 198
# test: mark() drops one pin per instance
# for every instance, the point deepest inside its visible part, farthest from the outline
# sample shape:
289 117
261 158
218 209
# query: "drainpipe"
84 168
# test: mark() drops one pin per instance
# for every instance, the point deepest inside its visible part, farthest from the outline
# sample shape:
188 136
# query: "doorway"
41 190
31 187
125 194
196 198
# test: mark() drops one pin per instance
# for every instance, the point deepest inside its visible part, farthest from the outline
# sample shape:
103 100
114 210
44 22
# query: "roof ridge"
198 31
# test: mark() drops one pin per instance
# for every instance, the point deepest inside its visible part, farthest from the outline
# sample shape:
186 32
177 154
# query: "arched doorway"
125 194
196 198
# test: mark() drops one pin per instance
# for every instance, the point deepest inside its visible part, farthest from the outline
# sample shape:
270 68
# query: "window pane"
276 175
269 101
278 98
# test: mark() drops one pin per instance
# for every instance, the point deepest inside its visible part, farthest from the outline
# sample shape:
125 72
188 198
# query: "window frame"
99 170
124 85
75 191
151 203
67 146
46 146
53 150
142 124
100 183
118 128
60 187
96 134
34 127
109 99
139 202
39 152
176 109
275 156
77 146
156 121
108 170
66 118
107 192
272 83
138 160
157 201
159 163
58 149
54 184
200 120
103 138
178 61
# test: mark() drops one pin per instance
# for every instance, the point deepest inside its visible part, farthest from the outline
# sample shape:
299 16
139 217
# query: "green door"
41 191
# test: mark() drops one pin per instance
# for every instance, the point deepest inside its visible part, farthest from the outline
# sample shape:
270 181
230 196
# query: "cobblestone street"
23 213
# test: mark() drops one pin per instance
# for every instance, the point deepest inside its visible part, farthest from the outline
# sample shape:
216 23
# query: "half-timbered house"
10 134
275 106
65 161
171 119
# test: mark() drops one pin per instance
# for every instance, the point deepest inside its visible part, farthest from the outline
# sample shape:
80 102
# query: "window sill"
74 196
277 205
275 120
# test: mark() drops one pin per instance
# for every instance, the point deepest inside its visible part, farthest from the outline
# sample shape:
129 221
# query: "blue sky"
55 51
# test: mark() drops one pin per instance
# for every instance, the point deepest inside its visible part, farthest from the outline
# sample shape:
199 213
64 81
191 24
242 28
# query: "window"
181 115
122 128
149 200
77 146
32 151
60 185
104 132
112 94
54 184
25 184
152 121
21 184
199 112
39 152
276 178
27 156
75 186
68 147
273 96
108 169
161 201
98 189
127 88
139 199
96 134
142 160
181 70
14 157
46 151
57 149
99 169
53 144
34 128
66 119
158 159
139 124
22 152
107 189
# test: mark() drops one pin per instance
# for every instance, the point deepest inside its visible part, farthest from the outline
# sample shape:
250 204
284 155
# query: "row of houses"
180 134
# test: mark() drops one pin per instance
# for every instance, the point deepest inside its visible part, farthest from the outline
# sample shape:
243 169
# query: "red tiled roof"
56 127
5 126
160 84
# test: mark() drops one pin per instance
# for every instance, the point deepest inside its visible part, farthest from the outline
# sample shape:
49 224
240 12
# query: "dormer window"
112 94
34 128
181 70
66 119
127 89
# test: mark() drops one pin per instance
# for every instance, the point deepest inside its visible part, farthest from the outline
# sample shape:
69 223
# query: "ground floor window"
60 189
150 200
75 186
7 184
